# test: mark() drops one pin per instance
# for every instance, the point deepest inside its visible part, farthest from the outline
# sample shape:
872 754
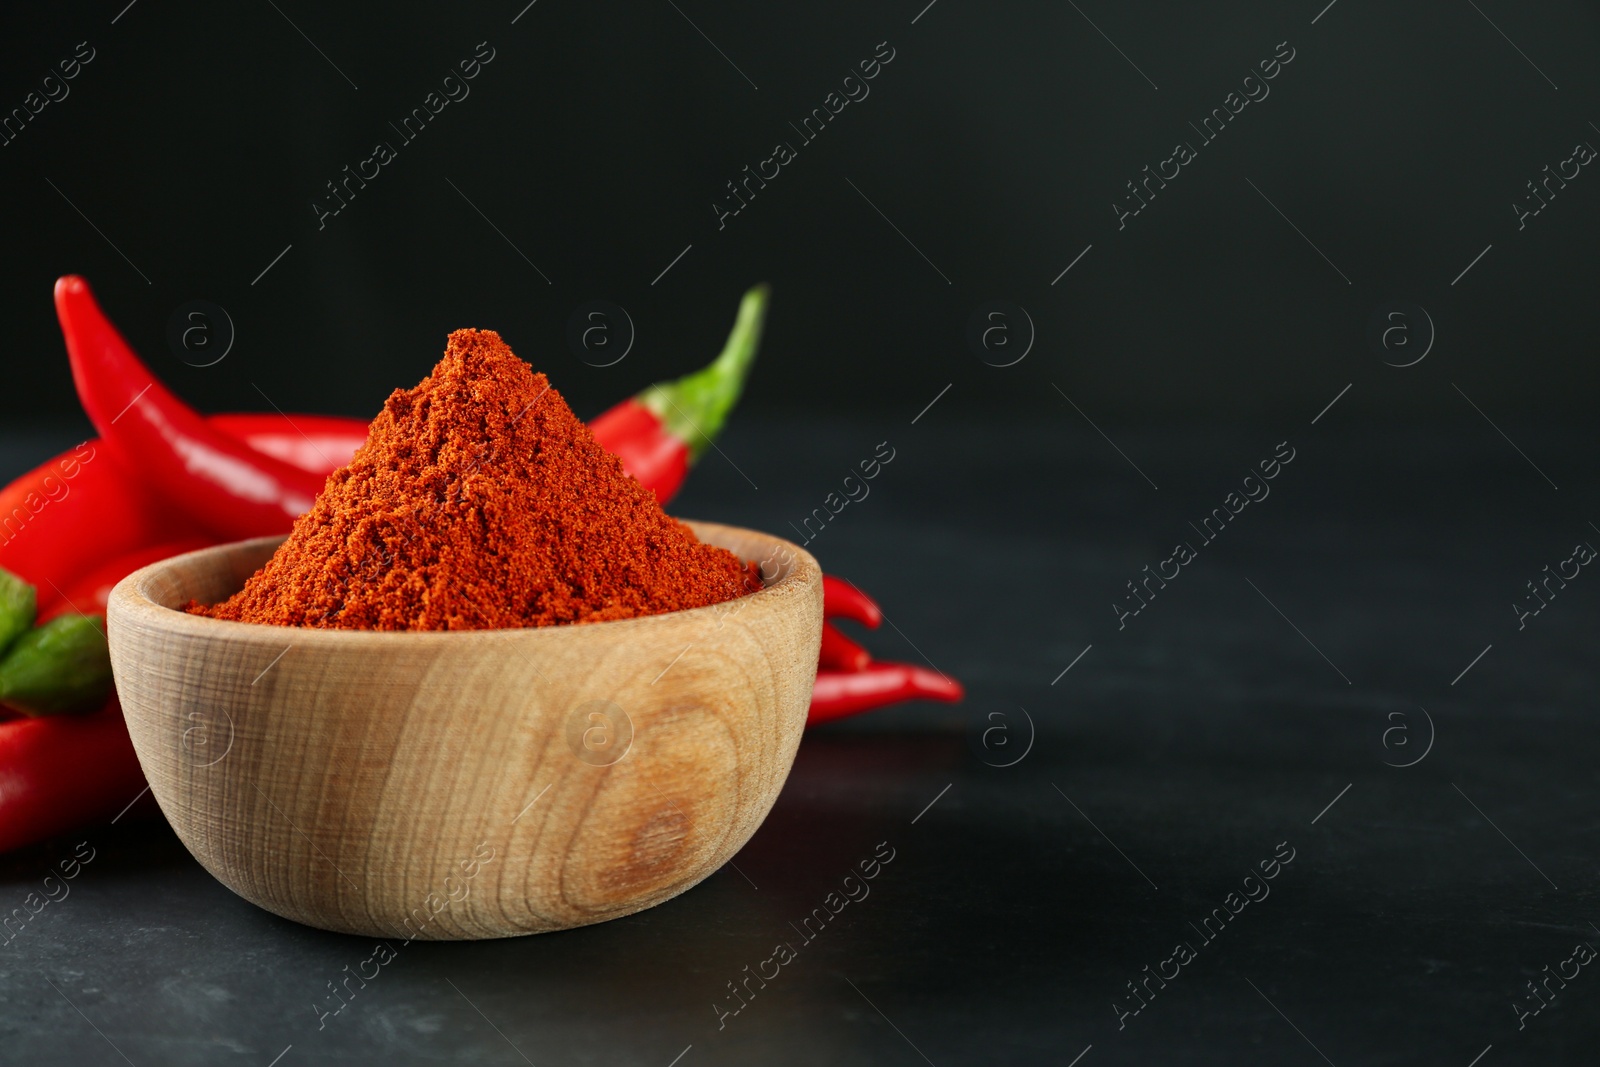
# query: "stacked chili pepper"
48 667
163 479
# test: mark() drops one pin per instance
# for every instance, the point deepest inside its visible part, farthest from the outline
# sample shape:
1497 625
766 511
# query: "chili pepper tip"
840 653
841 599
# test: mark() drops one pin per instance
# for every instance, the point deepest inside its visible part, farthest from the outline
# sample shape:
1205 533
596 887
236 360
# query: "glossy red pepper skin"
837 694
660 431
842 600
218 481
656 459
242 488
72 513
839 653
317 444
87 595
60 772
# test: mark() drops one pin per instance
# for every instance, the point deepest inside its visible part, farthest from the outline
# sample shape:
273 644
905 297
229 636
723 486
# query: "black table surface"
1337 689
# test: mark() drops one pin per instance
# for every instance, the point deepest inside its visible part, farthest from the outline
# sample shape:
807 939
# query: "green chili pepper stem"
62 666
18 605
693 408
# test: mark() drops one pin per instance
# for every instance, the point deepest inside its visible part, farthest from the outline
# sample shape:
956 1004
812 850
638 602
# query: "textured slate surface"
1176 754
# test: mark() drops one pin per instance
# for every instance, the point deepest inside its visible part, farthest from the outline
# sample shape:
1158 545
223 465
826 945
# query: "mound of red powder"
479 501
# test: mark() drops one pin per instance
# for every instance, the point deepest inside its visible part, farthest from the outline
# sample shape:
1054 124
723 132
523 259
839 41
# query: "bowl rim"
129 597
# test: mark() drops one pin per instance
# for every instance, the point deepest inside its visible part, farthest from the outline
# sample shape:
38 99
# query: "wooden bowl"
469 784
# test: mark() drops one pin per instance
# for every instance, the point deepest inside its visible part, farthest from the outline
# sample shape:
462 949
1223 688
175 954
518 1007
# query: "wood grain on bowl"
465 784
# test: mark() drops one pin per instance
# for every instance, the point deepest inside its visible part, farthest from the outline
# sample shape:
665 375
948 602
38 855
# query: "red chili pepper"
320 444
841 693
62 771
323 443
839 653
659 433
842 600
241 487
88 594
217 480
239 475
72 513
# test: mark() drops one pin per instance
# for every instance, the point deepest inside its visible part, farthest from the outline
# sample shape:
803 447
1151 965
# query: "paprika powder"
480 501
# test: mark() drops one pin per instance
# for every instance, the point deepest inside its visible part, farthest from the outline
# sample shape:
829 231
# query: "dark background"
1281 690
997 140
